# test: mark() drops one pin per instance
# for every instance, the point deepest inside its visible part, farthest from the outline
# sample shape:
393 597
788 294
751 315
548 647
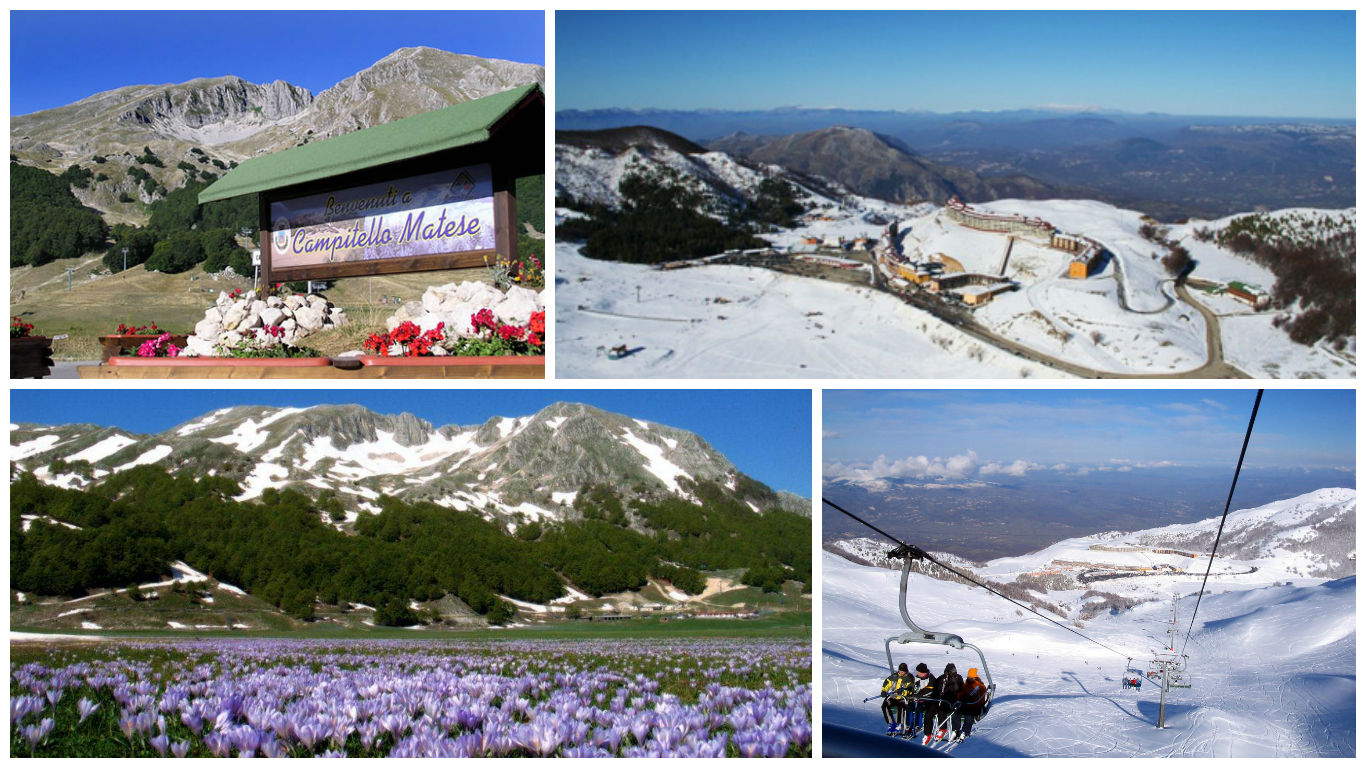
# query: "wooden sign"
441 220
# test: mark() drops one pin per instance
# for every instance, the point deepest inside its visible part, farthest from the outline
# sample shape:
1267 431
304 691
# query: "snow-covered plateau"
1271 654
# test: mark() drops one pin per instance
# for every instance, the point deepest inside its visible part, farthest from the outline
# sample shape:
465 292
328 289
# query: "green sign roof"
456 126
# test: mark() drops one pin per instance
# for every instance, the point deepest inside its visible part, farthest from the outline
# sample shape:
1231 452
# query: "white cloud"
1016 468
910 468
829 434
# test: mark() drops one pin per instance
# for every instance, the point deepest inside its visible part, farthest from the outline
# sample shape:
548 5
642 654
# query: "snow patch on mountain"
656 464
34 447
264 475
383 456
199 424
149 457
251 434
103 449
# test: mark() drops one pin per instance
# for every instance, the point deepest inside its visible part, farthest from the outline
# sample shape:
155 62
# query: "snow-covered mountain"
589 167
1272 668
514 469
1302 540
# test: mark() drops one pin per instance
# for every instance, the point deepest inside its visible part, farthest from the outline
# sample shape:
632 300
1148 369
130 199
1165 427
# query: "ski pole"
870 698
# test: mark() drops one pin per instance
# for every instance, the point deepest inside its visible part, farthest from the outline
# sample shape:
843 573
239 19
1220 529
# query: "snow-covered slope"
1311 536
731 321
1272 669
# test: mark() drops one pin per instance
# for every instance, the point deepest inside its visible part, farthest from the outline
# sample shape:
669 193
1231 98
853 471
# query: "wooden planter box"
318 368
455 367
30 357
115 346
220 362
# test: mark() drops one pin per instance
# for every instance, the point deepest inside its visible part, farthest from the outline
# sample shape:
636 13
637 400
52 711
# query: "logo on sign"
281 234
463 187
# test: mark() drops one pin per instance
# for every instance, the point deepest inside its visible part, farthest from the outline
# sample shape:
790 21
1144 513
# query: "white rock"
309 318
234 316
272 315
518 306
208 328
196 346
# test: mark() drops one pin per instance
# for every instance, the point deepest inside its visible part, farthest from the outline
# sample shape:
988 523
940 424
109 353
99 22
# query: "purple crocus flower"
159 742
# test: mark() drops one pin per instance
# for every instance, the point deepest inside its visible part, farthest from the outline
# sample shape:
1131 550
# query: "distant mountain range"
1012 516
880 166
228 119
1170 166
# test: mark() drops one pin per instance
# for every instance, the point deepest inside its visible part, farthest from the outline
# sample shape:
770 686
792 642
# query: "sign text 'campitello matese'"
435 213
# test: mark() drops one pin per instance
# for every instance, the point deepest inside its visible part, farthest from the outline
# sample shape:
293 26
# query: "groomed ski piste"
765 325
1273 669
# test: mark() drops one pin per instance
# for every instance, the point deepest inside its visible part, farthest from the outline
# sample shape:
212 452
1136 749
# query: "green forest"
47 222
280 549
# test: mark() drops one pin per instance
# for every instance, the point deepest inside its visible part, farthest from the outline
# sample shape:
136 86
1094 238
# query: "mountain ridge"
528 467
211 123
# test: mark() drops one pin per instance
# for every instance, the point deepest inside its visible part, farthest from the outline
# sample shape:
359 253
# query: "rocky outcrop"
207 101
230 320
454 305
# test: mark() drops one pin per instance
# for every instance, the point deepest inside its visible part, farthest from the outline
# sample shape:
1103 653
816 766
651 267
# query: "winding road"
1215 366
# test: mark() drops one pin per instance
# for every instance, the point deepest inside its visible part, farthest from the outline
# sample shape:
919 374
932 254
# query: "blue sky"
1295 63
765 433
977 433
60 57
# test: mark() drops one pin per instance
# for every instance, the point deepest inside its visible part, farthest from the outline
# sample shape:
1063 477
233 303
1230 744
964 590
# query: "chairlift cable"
1227 504
916 552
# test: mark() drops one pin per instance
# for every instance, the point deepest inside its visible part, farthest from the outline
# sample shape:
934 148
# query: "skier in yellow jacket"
896 690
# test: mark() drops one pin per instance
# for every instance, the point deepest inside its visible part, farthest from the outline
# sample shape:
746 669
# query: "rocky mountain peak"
411 81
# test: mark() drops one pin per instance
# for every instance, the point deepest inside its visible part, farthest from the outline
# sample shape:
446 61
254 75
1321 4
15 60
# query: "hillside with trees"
47 222
661 218
284 549
1313 256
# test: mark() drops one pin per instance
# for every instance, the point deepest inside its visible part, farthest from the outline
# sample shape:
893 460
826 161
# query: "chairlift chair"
916 634
1133 677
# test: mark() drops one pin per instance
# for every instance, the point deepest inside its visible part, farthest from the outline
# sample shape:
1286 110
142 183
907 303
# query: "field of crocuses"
269 697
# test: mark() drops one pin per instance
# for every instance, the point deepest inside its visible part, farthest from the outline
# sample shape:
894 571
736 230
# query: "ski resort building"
1249 294
1085 253
978 295
1014 224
